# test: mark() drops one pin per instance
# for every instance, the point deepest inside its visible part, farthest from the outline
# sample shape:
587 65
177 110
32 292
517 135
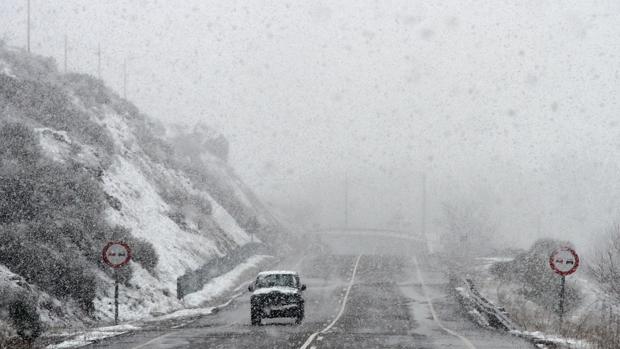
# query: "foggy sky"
509 106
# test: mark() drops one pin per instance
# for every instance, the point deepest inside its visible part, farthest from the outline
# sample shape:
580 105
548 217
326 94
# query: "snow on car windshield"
274 280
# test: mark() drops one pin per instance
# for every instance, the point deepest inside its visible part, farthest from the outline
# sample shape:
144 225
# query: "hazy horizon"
512 111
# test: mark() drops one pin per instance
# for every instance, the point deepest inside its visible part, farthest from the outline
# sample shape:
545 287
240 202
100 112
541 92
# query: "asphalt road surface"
369 300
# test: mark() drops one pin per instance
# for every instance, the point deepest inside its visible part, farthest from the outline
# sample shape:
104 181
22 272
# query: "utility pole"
28 27
346 200
424 214
65 53
562 292
125 78
99 61
424 205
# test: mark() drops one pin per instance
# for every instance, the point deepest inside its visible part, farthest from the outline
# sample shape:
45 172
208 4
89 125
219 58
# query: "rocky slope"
179 202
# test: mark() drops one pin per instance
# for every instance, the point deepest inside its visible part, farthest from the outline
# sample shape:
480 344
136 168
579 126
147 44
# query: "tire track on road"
344 303
465 341
233 298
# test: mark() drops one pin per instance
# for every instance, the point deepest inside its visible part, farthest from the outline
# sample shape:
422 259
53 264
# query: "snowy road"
386 307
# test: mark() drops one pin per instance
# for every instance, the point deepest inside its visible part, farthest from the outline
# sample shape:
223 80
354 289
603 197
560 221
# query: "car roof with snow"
277 272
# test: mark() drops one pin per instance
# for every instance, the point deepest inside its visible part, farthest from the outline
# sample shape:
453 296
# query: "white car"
276 293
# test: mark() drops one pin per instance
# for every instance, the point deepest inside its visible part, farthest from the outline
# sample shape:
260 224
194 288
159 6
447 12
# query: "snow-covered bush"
23 314
5 333
145 254
538 283
468 233
53 208
606 266
51 218
47 104
193 143
142 252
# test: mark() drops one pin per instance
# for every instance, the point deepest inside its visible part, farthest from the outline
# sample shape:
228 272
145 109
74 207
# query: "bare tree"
468 231
606 266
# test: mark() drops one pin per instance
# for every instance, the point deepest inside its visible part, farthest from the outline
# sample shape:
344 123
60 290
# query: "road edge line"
463 339
344 304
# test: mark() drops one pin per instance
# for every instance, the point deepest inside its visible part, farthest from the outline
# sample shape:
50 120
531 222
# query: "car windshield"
273 280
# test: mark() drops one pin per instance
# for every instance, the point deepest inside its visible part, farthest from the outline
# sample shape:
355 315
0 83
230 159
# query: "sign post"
564 261
116 254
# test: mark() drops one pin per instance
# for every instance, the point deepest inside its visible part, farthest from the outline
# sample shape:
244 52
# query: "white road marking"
465 341
145 345
344 303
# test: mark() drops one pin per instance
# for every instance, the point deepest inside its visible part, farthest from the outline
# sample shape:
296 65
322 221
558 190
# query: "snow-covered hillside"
187 215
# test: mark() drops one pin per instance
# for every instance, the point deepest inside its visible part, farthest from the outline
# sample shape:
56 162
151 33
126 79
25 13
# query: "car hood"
277 289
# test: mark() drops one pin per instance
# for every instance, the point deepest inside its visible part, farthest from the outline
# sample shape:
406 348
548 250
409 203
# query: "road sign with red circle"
116 254
564 261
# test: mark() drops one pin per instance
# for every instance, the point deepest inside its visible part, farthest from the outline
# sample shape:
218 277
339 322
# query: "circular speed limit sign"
116 254
564 261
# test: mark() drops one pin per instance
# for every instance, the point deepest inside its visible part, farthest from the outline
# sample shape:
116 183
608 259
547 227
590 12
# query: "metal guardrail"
496 316
194 280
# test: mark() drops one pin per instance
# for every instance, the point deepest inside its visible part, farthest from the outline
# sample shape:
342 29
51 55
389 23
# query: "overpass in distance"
372 240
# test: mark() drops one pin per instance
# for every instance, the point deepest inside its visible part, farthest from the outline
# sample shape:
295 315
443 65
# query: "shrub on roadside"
606 266
538 282
142 252
23 313
145 254
51 218
50 106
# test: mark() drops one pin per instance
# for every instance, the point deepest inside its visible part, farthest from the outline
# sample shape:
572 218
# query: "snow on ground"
145 213
6 70
500 293
7 277
93 335
228 223
122 134
58 146
143 298
219 215
592 294
557 341
55 144
487 285
185 313
218 287
222 170
488 261
215 288
51 310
